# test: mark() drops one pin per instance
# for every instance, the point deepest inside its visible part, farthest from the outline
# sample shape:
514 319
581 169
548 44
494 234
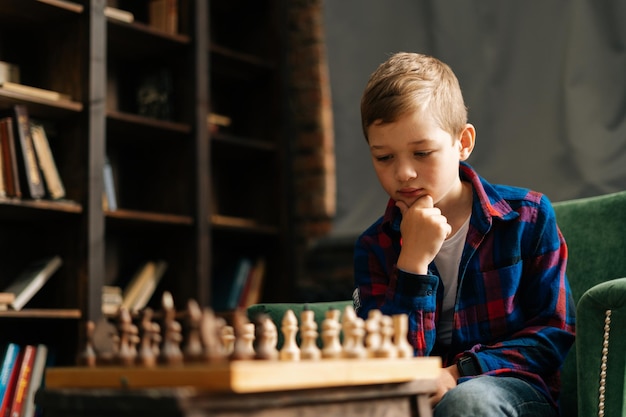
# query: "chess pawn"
266 338
353 333
347 323
372 329
227 336
128 338
308 330
193 348
244 337
386 349
401 328
146 355
331 330
172 332
88 357
290 350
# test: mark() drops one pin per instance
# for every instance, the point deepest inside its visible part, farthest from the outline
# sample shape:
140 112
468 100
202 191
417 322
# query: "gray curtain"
544 80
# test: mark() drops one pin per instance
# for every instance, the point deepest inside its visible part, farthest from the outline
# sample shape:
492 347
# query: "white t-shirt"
447 261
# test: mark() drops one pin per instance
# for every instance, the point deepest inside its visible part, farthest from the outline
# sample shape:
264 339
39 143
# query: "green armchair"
594 372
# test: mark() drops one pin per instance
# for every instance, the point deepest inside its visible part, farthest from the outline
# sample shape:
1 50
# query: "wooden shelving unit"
187 193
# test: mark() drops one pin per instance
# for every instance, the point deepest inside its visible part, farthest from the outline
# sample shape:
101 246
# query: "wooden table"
328 388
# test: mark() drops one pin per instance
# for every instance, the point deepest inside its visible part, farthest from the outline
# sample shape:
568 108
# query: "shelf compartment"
137 40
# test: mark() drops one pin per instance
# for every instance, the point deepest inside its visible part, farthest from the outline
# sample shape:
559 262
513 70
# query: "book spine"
36 382
9 158
31 176
46 161
5 406
26 285
241 275
109 185
23 379
8 362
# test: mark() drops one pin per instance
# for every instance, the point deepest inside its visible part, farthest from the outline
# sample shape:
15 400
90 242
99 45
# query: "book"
6 298
54 185
140 288
33 91
163 15
23 381
7 398
37 376
31 279
229 282
9 359
119 14
9 72
149 286
111 299
110 195
28 171
252 291
9 158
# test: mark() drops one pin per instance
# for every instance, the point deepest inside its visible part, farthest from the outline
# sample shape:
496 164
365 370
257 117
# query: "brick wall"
323 271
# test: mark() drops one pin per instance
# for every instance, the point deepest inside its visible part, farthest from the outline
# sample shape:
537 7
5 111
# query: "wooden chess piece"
386 349
88 357
105 341
244 337
228 340
353 334
401 328
172 333
128 338
193 351
210 333
331 330
266 338
290 350
308 330
372 329
146 355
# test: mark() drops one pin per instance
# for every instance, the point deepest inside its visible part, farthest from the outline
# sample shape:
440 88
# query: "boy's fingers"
426 201
402 206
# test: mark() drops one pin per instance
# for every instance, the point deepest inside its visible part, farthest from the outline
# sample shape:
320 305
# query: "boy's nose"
405 172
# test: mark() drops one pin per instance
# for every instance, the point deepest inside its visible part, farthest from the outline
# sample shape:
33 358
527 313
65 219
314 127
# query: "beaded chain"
605 354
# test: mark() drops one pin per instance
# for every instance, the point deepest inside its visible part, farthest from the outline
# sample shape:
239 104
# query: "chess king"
478 268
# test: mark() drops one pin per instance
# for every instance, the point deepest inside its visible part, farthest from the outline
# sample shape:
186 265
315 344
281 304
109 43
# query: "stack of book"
27 165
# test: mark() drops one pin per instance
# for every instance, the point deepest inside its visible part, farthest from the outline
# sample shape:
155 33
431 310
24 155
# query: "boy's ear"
466 141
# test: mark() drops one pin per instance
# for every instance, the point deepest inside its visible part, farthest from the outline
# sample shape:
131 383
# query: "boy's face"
413 157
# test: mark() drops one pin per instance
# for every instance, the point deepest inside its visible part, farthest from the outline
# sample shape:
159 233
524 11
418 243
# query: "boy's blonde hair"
409 82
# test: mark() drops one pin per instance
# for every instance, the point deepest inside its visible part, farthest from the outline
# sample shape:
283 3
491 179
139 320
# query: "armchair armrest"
601 349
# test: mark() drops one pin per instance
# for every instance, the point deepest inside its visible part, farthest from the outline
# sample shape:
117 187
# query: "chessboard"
244 357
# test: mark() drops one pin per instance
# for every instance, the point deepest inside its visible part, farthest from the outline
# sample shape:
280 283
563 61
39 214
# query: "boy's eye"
383 158
422 154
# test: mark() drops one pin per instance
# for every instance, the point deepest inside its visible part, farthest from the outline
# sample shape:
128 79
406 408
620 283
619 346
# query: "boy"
479 268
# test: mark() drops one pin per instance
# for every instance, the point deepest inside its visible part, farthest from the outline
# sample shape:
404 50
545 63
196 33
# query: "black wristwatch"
468 366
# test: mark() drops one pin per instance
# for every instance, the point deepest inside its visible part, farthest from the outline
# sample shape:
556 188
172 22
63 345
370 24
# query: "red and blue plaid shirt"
514 311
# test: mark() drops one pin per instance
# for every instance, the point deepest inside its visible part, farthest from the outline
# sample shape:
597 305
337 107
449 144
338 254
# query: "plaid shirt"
514 311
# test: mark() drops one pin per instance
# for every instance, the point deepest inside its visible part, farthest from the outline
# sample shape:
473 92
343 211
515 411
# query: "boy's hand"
447 380
423 230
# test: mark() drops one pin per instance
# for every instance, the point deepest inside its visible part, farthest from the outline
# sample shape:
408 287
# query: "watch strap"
468 366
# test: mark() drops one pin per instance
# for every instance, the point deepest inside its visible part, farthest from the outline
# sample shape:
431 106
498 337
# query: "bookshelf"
187 192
